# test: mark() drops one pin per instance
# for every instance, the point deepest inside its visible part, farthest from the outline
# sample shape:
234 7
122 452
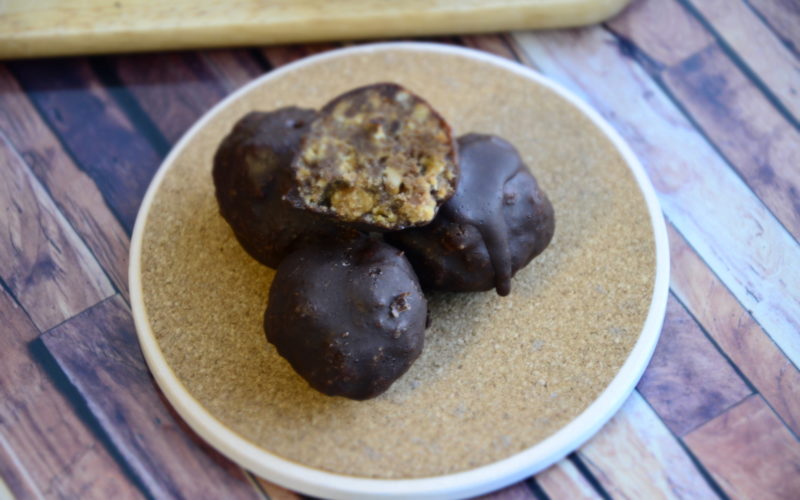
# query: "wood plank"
742 123
734 331
496 44
749 452
564 480
757 46
750 251
284 54
635 456
94 129
99 353
757 140
688 382
783 16
232 68
663 29
15 482
44 263
77 197
518 491
47 448
174 89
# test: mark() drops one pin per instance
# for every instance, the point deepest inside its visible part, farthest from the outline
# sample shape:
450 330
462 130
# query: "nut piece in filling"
377 156
495 224
349 316
252 173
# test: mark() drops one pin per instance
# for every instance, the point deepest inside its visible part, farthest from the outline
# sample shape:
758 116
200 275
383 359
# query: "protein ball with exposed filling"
349 316
251 175
379 157
495 224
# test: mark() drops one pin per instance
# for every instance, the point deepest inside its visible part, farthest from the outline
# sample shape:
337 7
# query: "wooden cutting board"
33 28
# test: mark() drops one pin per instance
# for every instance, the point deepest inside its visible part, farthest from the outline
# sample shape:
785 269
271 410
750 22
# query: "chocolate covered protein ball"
251 175
379 157
349 316
495 224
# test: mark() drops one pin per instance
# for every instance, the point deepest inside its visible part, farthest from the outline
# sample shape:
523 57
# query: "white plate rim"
457 485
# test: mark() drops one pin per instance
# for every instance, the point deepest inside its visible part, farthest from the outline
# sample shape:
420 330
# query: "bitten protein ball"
349 316
251 175
379 157
495 224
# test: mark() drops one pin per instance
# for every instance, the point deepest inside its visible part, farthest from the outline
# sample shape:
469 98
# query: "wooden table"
707 92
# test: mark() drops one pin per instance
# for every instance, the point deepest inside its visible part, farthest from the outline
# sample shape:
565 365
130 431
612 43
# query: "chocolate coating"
495 224
252 173
349 316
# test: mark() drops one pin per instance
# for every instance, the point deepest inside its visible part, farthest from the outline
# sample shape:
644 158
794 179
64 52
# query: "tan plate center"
497 375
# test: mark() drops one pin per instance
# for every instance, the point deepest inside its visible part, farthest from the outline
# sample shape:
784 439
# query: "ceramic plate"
504 387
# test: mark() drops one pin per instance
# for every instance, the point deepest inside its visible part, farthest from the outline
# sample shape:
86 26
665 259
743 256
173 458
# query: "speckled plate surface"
504 387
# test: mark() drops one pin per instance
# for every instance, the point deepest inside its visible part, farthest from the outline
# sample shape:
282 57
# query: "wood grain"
45 449
635 456
743 124
174 88
783 16
750 251
76 196
734 331
232 68
282 55
688 382
93 128
44 263
749 452
99 353
733 113
663 29
757 46
15 481
493 44
564 480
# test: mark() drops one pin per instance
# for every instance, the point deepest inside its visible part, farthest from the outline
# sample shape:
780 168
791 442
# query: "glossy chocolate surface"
349 316
495 224
252 174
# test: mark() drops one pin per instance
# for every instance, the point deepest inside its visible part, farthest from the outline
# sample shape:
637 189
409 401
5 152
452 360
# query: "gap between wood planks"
783 18
718 99
755 49
75 194
51 450
759 137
